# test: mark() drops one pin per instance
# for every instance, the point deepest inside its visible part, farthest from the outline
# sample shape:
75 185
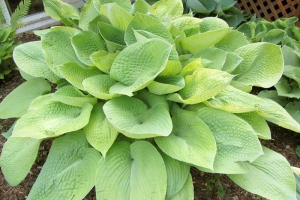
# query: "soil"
206 186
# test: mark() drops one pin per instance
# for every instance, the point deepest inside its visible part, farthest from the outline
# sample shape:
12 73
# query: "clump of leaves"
7 35
143 93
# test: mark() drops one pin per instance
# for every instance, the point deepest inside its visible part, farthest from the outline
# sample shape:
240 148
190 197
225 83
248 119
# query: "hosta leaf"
293 108
258 124
236 140
56 41
75 74
186 22
232 61
123 174
113 37
152 100
93 25
195 43
17 157
16 103
87 15
217 56
269 176
140 6
274 113
146 23
273 36
125 4
296 172
258 68
202 85
118 17
143 64
85 43
103 60
41 101
192 66
186 192
167 8
72 96
285 89
204 7
134 119
272 94
292 72
30 59
172 68
52 120
99 133
99 85
69 171
166 85
235 101
177 174
191 141
290 56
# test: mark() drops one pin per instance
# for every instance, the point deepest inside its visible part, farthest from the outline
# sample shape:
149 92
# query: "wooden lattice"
271 9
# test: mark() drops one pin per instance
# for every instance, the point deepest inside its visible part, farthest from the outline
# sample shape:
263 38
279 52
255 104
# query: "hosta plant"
142 94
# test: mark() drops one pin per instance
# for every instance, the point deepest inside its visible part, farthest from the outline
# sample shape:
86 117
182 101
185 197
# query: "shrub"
141 96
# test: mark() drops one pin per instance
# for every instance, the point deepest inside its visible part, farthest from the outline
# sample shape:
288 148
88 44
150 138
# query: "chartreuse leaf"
56 41
87 15
125 4
140 6
8 133
186 192
269 176
113 37
292 72
93 25
274 113
99 85
258 68
237 39
70 95
186 22
235 101
17 157
235 141
16 104
177 174
296 172
146 23
103 60
217 56
134 119
202 85
172 68
30 59
258 123
69 171
118 17
139 64
85 43
232 61
192 66
274 36
289 56
191 141
197 42
99 132
167 8
52 120
166 84
124 174
75 74
152 100
285 88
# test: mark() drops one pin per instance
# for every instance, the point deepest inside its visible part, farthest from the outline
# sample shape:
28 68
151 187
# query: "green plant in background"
7 35
143 93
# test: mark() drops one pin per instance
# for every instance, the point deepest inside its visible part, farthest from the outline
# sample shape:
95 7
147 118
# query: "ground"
206 186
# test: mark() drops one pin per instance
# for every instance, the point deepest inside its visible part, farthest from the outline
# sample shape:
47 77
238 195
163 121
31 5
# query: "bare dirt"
206 186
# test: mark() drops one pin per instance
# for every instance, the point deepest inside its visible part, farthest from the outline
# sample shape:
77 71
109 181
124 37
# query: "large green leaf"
197 42
286 88
118 17
131 171
134 119
16 103
232 41
146 23
293 108
99 132
30 59
166 85
125 4
75 74
191 141
167 8
85 43
274 113
202 85
259 68
296 172
87 15
69 171
186 192
235 101
140 6
269 176
217 56
143 64
103 60
52 120
57 47
236 140
17 157
186 22
177 174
